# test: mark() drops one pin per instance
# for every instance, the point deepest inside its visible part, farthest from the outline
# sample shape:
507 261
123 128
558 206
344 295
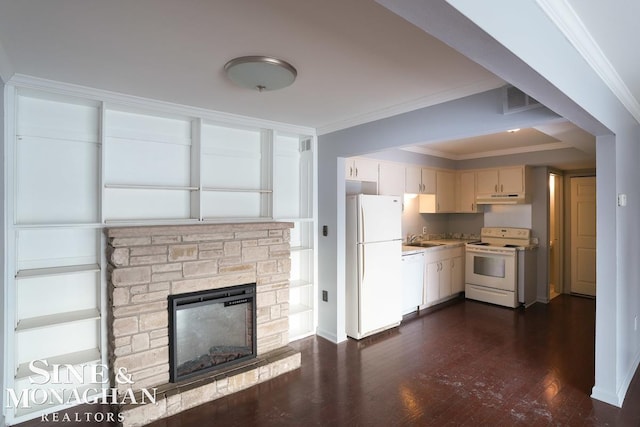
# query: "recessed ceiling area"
553 136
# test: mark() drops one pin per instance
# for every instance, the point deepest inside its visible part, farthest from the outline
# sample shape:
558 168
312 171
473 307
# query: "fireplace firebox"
211 329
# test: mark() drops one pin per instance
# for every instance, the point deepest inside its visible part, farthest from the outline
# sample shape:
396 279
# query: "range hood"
502 199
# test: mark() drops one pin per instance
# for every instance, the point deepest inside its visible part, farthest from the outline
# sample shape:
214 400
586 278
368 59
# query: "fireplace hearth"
211 329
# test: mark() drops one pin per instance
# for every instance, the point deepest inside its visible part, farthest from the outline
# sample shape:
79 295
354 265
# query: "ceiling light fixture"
513 130
260 72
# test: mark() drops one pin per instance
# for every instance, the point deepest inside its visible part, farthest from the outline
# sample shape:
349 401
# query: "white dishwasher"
412 281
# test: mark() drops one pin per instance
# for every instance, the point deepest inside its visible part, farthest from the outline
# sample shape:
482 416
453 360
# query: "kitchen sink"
424 244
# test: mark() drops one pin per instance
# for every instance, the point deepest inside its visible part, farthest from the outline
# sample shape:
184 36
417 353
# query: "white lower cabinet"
412 281
444 274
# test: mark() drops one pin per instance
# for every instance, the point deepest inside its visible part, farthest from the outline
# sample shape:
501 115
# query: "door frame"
560 219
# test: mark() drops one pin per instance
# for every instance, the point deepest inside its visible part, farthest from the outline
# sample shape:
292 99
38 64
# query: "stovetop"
504 237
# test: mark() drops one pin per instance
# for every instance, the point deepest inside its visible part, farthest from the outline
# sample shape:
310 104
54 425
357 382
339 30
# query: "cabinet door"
349 169
445 278
512 180
445 191
412 180
487 181
429 181
432 282
391 179
366 170
467 192
457 274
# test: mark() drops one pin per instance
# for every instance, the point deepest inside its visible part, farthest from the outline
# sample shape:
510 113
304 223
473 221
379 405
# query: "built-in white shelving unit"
82 162
55 283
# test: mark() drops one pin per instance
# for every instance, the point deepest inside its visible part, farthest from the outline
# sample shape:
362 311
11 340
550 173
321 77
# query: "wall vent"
515 100
305 144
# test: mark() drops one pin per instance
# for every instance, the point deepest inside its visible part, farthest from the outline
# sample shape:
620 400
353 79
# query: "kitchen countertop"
444 244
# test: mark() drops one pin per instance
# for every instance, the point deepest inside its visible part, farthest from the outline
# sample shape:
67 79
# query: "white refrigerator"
373 264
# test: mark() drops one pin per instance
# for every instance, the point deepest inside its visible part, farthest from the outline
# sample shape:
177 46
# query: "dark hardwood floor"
468 364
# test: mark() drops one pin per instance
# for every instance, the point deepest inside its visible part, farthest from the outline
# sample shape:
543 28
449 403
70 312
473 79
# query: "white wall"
524 47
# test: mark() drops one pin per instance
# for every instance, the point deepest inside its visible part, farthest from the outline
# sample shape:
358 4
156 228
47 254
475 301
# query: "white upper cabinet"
512 180
445 191
443 200
466 192
358 169
391 179
413 180
502 180
420 180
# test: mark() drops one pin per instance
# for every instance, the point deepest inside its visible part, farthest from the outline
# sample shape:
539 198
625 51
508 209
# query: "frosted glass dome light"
260 72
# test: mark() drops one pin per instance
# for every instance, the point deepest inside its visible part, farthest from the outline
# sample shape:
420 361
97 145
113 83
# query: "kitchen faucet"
411 238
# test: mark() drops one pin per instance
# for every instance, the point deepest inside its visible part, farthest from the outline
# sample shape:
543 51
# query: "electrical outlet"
325 296
424 230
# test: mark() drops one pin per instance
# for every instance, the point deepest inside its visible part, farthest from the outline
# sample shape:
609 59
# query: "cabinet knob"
501 188
495 187
356 171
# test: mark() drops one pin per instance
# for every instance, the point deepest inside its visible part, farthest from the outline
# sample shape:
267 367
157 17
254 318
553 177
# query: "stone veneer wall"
147 264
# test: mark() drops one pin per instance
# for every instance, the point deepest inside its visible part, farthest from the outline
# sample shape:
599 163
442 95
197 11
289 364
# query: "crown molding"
421 149
416 104
136 102
567 20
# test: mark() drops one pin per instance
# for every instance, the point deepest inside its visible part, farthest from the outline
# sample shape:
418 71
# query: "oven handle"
490 251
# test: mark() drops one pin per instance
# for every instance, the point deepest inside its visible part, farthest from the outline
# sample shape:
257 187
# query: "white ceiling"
356 60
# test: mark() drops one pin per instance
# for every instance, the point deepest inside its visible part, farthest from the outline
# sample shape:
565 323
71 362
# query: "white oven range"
491 272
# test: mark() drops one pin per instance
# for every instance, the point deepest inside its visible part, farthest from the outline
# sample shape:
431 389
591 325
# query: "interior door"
583 235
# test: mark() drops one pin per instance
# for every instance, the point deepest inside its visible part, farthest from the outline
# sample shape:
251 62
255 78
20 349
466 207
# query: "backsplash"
455 236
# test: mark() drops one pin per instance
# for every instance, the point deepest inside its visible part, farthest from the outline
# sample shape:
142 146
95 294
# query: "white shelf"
57 319
150 221
77 358
26 226
149 187
224 219
293 284
236 190
293 219
56 271
301 324
299 309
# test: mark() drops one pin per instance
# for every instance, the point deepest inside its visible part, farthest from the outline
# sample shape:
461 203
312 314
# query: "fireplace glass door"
211 329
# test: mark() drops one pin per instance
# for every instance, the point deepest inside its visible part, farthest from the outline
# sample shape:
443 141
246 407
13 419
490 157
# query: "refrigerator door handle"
362 264
362 225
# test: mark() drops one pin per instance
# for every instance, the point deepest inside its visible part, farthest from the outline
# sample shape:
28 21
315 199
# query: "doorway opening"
556 247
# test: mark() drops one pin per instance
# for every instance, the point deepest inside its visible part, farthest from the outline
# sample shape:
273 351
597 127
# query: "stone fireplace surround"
147 264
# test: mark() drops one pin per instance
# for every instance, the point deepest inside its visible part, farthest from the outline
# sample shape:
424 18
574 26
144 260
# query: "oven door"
491 267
